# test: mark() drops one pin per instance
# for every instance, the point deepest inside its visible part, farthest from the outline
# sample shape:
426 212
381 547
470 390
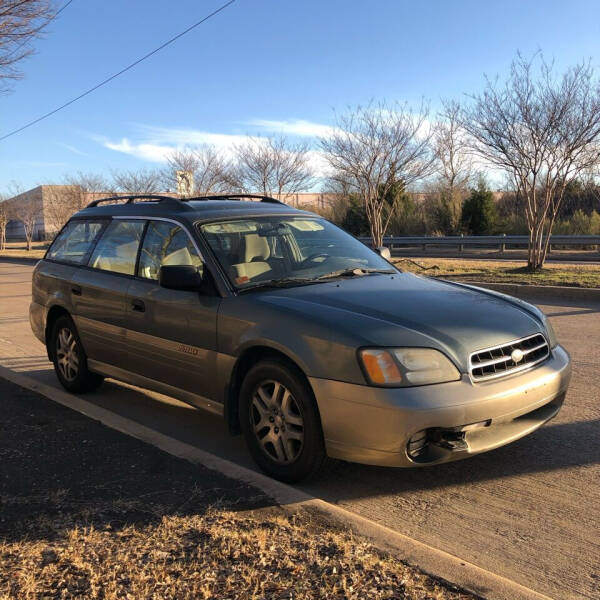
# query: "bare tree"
143 181
209 168
376 147
543 131
25 209
454 165
272 166
5 217
21 21
61 201
29 213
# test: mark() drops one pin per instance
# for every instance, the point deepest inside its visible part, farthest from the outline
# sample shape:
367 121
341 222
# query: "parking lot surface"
529 511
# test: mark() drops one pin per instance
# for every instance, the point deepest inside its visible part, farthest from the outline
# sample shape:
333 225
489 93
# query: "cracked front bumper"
374 425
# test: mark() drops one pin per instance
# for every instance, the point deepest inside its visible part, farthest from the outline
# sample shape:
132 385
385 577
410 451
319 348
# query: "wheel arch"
54 312
246 360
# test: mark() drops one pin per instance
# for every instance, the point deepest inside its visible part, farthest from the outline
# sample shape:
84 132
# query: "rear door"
171 334
99 291
52 277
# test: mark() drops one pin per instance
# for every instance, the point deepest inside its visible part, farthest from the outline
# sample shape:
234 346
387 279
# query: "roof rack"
238 197
130 199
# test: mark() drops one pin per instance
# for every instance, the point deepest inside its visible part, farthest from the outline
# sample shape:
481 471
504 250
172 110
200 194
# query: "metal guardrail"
484 241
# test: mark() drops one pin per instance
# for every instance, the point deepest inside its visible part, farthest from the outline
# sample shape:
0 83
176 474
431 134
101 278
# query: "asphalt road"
529 511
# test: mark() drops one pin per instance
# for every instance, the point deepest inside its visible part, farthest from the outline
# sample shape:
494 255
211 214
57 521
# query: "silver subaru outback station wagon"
302 338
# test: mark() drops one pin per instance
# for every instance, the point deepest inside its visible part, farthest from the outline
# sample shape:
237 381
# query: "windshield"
288 249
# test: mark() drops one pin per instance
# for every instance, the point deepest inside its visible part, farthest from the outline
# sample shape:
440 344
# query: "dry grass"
217 555
578 275
19 250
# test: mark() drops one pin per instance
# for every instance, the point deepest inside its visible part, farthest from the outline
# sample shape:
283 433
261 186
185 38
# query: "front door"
171 334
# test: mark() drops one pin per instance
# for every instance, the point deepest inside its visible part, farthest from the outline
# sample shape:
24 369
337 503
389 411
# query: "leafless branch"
142 181
209 168
373 148
21 21
272 166
61 201
454 165
543 131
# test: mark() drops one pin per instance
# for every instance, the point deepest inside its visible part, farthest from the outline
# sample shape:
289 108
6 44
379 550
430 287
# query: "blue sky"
261 66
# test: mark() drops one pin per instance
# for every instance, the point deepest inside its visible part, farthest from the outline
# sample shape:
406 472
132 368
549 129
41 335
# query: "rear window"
118 247
75 241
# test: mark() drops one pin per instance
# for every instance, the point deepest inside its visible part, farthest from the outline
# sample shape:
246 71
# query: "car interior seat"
255 256
122 259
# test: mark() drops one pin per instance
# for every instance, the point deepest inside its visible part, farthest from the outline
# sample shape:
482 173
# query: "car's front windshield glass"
288 250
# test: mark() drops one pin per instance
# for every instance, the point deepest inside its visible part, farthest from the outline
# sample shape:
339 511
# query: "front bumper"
374 425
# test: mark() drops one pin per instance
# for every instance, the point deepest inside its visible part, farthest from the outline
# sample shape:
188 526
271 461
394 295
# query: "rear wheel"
69 358
281 422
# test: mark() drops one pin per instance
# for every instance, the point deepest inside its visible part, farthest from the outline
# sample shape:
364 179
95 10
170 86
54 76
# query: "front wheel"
69 358
280 422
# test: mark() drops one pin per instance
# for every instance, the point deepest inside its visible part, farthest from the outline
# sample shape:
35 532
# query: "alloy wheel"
67 358
277 422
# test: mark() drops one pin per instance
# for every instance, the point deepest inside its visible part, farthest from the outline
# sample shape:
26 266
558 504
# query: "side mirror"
384 252
180 277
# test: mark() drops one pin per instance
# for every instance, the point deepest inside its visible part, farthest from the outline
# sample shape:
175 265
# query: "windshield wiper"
354 272
293 281
278 283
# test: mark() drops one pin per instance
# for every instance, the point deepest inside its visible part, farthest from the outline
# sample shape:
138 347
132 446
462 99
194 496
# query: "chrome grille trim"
495 361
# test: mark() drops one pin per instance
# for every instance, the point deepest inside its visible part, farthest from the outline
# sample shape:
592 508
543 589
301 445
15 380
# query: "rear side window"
118 247
166 244
75 241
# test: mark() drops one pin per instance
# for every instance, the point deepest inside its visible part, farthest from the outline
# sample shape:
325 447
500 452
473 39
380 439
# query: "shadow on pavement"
60 469
582 311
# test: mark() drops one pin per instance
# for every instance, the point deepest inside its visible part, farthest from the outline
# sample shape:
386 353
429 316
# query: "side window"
74 242
166 244
117 249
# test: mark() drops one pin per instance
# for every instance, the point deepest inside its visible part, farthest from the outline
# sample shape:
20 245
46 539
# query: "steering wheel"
313 257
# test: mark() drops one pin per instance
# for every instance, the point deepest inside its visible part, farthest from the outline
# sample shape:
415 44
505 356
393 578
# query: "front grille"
497 361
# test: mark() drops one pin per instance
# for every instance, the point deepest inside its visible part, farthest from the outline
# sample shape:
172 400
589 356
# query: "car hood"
409 310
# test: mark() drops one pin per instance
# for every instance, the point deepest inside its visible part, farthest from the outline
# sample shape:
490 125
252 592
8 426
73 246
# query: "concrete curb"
20 260
543 292
430 560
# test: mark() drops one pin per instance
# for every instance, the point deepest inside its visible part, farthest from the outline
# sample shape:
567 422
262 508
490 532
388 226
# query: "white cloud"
319 164
72 149
190 137
144 151
298 127
155 144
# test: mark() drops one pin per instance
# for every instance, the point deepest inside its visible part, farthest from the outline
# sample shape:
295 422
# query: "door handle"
138 305
76 290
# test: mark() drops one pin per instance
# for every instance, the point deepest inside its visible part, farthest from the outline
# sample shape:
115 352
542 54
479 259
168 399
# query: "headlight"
402 367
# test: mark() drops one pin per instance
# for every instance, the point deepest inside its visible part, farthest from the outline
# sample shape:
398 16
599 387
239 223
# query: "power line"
63 8
109 79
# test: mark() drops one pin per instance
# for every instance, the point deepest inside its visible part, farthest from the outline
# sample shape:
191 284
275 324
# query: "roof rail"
130 199
238 197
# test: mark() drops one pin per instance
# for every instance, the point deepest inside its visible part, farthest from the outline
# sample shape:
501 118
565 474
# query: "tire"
69 358
280 421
